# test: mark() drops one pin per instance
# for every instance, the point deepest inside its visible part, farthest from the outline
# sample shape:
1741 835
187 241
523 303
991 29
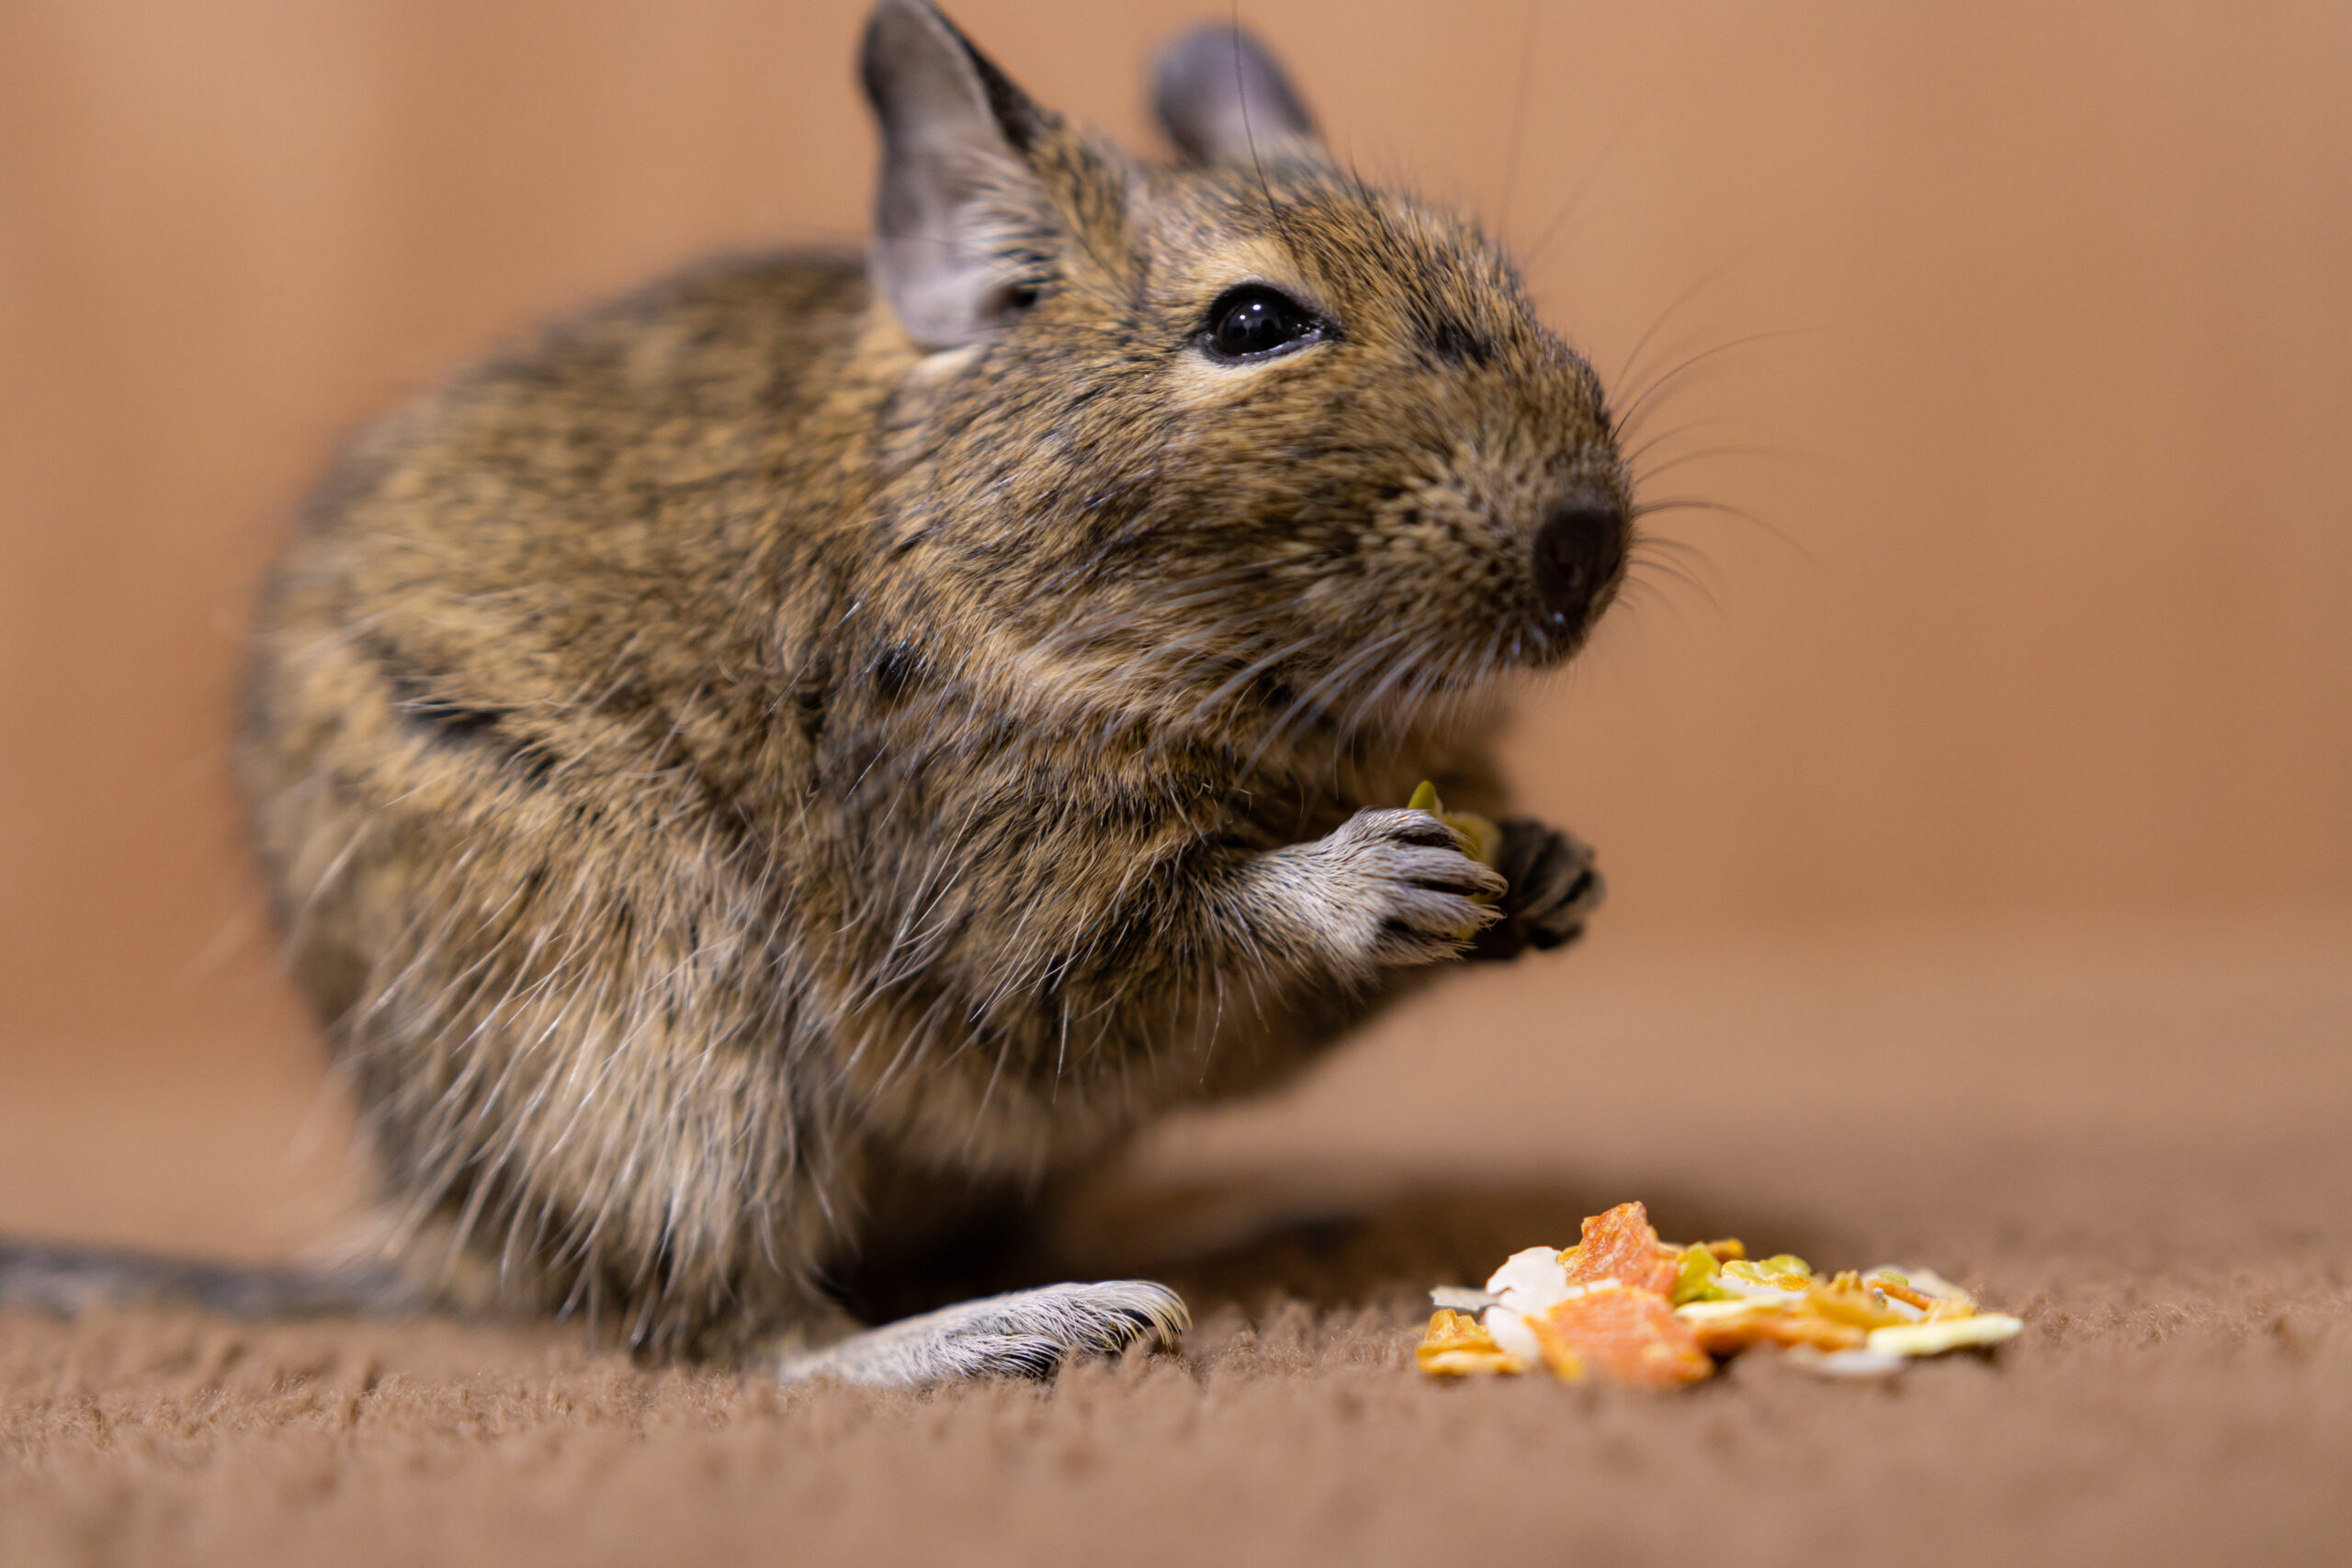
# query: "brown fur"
724 770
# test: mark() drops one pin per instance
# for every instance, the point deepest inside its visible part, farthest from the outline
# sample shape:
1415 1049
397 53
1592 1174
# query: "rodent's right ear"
1222 98
957 189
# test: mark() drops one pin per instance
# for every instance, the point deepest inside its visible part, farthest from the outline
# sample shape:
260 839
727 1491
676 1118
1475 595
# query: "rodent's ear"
1222 99
955 185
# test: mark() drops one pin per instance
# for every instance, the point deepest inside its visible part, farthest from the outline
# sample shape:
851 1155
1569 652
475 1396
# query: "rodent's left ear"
956 184
1221 98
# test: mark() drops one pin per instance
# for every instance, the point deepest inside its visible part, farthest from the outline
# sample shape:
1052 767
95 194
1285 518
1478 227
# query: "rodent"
824 738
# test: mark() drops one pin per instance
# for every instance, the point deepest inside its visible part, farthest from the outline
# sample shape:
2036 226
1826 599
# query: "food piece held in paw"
1622 1304
1483 839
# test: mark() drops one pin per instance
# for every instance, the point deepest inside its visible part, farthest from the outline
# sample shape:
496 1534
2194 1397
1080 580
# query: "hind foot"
1027 1333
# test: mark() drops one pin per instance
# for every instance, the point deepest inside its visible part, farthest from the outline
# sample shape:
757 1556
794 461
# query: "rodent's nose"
1580 549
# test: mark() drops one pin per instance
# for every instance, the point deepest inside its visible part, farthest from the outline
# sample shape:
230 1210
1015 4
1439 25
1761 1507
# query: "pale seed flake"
1945 1334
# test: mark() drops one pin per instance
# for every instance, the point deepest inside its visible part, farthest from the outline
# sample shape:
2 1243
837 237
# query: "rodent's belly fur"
661 864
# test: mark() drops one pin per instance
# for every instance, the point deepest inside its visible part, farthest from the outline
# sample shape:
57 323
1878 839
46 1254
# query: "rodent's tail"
69 1280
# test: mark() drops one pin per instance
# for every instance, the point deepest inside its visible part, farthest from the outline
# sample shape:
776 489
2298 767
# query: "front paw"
1554 887
1394 888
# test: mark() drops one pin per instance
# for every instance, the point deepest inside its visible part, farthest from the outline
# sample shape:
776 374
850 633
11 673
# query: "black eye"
1253 322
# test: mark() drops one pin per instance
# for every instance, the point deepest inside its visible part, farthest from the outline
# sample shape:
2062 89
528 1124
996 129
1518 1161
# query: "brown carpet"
2135 1138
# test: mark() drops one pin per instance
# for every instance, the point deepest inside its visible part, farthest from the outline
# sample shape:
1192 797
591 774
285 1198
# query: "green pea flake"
1697 1281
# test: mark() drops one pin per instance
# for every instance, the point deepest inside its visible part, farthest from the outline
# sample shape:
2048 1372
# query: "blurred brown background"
2035 363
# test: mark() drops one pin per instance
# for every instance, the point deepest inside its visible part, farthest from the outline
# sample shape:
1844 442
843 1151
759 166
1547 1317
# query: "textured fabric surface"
2136 1140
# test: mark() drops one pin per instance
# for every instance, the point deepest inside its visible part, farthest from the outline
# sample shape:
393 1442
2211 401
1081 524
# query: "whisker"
1309 701
1634 456
1694 503
1519 115
1654 544
1712 276
1675 571
1644 476
1627 418
1249 135
1576 197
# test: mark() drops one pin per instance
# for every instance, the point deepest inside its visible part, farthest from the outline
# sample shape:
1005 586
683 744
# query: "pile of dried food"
1624 1306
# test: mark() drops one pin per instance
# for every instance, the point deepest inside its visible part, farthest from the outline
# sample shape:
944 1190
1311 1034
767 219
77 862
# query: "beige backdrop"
2037 372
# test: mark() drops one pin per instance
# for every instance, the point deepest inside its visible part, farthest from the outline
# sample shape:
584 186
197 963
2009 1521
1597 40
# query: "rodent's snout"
1579 550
